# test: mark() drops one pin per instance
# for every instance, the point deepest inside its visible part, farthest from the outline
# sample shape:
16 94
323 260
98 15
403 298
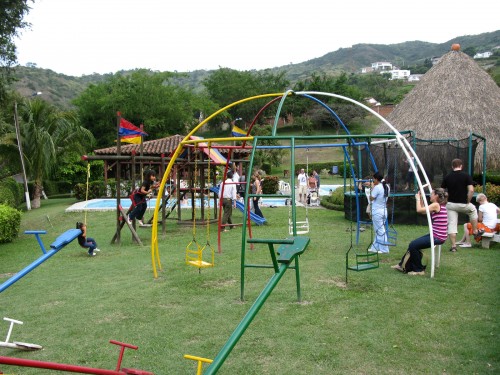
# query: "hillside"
60 89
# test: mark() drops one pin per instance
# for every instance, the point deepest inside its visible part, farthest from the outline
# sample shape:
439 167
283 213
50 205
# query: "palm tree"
47 133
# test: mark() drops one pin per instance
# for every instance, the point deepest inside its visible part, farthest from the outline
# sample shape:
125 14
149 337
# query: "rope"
87 192
194 190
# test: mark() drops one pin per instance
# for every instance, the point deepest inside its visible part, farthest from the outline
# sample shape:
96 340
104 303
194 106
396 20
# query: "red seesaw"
80 369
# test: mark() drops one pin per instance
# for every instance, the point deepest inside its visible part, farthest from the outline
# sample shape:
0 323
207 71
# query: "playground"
380 322
314 321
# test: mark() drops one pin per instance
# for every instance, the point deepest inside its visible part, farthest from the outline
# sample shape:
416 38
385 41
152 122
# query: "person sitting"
487 221
86 242
411 263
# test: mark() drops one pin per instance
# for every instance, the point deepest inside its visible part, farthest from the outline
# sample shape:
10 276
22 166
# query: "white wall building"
483 55
397 74
382 65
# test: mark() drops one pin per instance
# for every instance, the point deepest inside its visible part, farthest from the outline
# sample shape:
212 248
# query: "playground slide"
255 218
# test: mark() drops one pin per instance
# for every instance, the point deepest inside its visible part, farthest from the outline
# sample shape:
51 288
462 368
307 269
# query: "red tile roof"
156 147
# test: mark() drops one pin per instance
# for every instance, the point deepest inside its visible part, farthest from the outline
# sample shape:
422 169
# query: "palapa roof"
454 98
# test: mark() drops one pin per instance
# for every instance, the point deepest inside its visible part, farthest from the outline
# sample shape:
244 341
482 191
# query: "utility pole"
20 147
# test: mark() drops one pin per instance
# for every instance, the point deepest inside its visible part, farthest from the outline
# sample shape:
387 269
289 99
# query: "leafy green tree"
47 134
142 97
12 13
226 86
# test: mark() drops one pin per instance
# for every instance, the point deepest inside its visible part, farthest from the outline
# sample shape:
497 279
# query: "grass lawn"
381 322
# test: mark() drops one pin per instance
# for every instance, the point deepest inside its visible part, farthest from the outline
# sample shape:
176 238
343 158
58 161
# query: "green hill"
60 89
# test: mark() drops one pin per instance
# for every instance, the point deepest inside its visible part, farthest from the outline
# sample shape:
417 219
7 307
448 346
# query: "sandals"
453 249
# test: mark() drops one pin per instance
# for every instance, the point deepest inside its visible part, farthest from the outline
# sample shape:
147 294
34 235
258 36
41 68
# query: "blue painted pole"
27 269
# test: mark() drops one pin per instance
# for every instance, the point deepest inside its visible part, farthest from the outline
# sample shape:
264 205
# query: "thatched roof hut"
454 98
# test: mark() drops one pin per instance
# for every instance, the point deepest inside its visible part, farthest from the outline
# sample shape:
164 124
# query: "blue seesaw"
55 246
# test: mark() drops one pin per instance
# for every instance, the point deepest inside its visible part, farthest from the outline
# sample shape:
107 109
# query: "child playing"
139 197
86 242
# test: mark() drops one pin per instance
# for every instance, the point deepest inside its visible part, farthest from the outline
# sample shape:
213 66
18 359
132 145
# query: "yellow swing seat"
194 255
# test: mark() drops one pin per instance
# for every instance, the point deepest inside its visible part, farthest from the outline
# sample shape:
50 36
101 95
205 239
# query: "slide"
255 218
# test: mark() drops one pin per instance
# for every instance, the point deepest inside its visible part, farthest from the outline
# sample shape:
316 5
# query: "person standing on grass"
378 197
302 184
86 242
460 192
411 263
256 189
139 197
317 177
487 221
228 201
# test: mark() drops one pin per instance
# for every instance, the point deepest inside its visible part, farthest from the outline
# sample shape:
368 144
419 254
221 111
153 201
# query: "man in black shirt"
460 192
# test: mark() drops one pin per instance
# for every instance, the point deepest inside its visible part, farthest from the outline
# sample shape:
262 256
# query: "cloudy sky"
78 37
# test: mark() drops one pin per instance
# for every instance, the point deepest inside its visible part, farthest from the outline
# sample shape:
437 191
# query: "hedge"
10 222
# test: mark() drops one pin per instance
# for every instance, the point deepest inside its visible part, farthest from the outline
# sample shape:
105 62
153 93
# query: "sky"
81 37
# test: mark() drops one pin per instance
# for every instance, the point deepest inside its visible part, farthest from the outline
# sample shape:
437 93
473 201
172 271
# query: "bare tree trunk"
37 193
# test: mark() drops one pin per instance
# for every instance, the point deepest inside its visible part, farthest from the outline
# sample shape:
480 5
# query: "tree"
47 134
226 86
12 13
142 97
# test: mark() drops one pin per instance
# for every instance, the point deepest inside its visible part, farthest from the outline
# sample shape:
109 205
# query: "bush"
334 201
16 189
97 189
7 197
10 222
266 167
492 192
492 178
270 185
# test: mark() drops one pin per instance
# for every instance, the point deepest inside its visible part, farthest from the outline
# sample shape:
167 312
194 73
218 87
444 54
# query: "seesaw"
55 246
80 369
17 344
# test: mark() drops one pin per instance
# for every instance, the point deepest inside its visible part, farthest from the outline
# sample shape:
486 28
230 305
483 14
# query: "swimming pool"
325 189
109 204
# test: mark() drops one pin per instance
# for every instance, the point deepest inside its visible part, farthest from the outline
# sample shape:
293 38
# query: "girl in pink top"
411 262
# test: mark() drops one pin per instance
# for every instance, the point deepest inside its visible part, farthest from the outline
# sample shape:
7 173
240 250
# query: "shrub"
270 185
334 201
492 192
7 197
10 222
97 189
16 189
266 167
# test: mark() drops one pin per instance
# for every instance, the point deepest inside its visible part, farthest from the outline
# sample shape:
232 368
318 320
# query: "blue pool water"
110 204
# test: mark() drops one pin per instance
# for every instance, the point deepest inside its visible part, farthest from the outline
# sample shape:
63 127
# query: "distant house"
414 77
367 69
483 55
381 65
397 74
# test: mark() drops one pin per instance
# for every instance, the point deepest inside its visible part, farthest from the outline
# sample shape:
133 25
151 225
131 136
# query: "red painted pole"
57 366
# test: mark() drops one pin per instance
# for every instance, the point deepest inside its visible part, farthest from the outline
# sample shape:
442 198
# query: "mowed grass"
380 322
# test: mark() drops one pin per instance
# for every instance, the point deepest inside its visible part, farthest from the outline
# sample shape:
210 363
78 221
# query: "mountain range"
61 89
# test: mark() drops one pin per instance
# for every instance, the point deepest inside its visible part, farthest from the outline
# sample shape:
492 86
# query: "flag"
127 128
131 139
238 132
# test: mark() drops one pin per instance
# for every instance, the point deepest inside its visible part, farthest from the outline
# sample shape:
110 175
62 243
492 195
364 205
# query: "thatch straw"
455 97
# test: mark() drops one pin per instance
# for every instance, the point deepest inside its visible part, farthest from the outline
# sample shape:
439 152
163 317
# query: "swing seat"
194 256
364 262
301 226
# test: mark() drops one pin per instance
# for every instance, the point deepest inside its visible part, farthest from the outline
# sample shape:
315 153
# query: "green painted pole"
245 322
245 219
